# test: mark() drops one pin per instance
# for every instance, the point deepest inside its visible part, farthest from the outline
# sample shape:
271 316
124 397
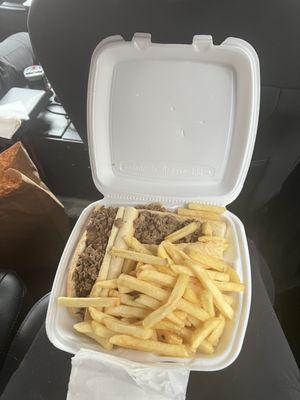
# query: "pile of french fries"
171 299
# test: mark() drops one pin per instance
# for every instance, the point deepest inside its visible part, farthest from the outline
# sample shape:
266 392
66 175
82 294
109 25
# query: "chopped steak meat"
89 262
151 206
152 228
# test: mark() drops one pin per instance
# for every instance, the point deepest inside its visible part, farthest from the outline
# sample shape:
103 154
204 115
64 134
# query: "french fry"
229 299
210 261
132 255
181 269
123 289
194 321
158 278
206 207
185 333
132 330
113 293
161 252
169 337
205 280
171 304
149 302
180 314
104 342
146 267
191 296
177 255
213 248
205 239
98 291
108 284
129 301
193 309
128 266
164 349
175 320
134 244
165 270
98 316
181 233
207 302
101 330
154 335
181 246
83 327
229 286
218 276
233 275
195 285
207 229
203 332
205 215
214 337
214 275
168 325
143 287
127 312
82 302
205 347
126 321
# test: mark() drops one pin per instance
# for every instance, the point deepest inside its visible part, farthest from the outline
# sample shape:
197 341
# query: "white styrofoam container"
169 123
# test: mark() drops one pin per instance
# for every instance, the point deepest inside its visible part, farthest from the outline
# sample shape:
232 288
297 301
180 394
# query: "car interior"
60 36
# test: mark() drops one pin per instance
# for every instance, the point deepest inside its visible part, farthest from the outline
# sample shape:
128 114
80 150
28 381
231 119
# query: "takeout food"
149 279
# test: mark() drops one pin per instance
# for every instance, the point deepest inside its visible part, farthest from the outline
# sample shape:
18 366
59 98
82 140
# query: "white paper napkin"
96 376
11 116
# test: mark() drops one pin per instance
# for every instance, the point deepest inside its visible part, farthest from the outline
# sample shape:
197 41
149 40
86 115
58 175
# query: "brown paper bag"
16 157
33 224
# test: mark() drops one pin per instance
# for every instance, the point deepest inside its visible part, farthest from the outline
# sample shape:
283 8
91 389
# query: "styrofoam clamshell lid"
172 122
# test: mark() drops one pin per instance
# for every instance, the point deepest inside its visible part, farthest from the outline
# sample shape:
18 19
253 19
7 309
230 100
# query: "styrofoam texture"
59 322
172 122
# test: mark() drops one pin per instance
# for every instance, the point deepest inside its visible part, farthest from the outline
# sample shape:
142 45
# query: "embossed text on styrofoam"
165 170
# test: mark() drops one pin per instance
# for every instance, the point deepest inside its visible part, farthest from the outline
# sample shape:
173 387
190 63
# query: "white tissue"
11 116
102 376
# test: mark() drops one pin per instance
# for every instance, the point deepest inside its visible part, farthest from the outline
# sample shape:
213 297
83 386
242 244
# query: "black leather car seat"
23 338
12 292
